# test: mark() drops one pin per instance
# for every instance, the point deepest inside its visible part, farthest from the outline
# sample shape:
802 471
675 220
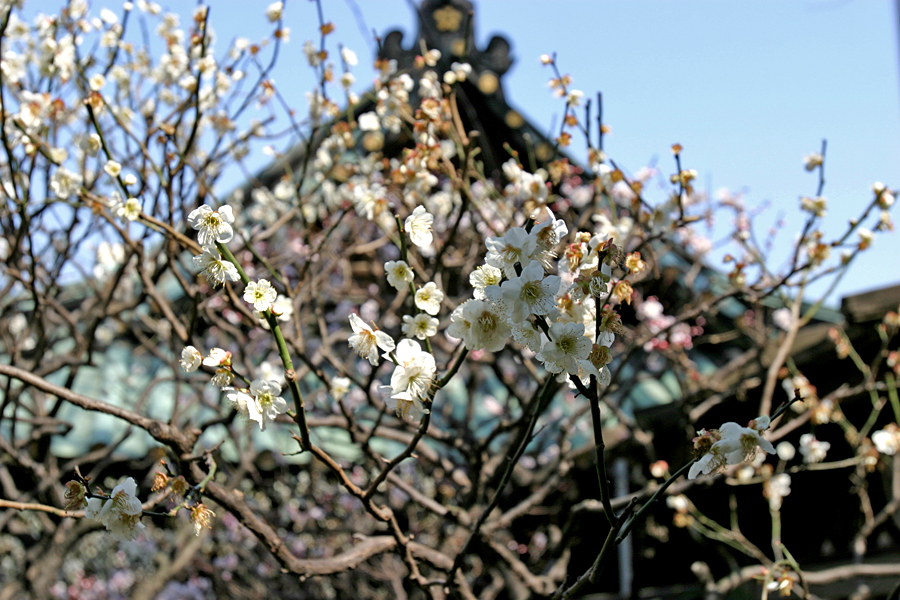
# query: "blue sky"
748 88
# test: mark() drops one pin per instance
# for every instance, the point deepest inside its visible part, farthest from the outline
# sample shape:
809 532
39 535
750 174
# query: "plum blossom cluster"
124 92
553 315
414 369
218 360
261 402
730 444
214 226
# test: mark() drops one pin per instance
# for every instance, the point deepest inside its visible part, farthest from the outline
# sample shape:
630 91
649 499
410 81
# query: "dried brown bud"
200 517
179 487
75 496
160 481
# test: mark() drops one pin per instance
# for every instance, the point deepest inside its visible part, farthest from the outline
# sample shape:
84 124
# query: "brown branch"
59 512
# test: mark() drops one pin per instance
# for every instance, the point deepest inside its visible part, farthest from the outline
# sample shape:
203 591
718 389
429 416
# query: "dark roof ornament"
447 25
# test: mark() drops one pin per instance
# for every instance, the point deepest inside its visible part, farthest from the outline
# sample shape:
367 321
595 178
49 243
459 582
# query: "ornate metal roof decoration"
448 26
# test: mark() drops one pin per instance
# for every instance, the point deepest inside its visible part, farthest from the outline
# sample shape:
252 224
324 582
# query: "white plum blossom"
266 404
817 206
216 269
399 274
678 502
887 440
884 196
282 308
420 326
516 246
731 444
349 57
715 450
367 341
190 359
482 277
783 318
749 440
532 188
240 400
369 122
528 294
527 334
129 210
312 53
260 294
90 144
548 234
785 451
418 226
64 183
275 11
339 387
429 298
218 358
223 378
370 199
812 160
112 168
479 324
619 232
866 237
565 348
411 380
212 225
777 488
813 450
121 513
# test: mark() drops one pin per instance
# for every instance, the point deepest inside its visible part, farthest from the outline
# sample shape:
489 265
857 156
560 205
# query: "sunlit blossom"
64 183
418 227
275 11
730 444
516 246
399 274
567 345
266 404
412 377
479 324
420 326
528 294
366 341
212 225
887 440
482 277
216 269
260 294
121 513
429 298
813 450
190 359
130 210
